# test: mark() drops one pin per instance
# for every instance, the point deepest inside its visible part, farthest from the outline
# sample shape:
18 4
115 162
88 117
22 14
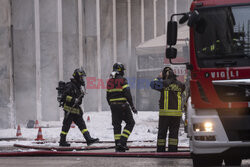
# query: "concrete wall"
160 15
149 19
135 41
70 37
49 58
53 37
6 99
24 60
106 31
90 52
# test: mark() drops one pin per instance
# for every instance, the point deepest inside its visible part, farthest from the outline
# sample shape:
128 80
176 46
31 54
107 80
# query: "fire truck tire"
232 161
206 161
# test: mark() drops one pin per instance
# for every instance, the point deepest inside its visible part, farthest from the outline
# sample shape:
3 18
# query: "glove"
134 110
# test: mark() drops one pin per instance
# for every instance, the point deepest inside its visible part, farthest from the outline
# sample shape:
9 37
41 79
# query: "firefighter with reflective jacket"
170 108
119 98
72 99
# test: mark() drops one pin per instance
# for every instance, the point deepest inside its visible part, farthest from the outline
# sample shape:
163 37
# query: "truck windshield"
222 37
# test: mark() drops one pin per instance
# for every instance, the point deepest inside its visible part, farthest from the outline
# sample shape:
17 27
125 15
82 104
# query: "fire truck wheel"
206 161
232 161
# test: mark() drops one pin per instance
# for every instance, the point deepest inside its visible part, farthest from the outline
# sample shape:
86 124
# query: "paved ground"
96 161
78 161
91 162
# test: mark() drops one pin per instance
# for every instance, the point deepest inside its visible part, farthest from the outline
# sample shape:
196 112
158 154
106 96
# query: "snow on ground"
100 126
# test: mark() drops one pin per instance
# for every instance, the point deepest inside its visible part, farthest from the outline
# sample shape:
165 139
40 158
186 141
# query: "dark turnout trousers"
171 124
78 120
68 119
121 112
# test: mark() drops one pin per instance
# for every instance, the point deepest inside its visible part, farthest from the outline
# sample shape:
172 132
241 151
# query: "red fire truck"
218 110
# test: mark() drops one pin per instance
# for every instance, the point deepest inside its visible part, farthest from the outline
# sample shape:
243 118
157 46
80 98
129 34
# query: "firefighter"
120 100
72 98
170 108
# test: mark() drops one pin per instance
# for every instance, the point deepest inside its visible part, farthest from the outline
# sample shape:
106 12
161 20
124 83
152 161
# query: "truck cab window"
222 34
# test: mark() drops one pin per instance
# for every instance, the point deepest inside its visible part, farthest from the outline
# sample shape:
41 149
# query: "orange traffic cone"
73 125
40 135
88 119
36 124
18 132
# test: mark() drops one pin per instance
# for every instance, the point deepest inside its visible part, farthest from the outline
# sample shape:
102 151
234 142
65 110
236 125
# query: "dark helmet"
79 75
171 74
119 67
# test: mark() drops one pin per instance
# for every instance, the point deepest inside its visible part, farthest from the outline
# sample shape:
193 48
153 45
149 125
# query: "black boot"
92 141
161 149
120 148
126 147
116 144
89 139
172 148
122 145
63 141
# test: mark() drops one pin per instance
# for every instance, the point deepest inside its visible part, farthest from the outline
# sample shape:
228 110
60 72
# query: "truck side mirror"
171 53
172 33
184 18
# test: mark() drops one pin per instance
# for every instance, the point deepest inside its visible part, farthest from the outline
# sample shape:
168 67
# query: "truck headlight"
208 126
203 127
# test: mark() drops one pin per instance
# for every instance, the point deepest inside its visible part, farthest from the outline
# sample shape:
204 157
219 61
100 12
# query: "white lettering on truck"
222 74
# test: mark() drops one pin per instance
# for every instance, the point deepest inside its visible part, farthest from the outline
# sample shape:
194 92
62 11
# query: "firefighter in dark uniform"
72 97
119 98
170 108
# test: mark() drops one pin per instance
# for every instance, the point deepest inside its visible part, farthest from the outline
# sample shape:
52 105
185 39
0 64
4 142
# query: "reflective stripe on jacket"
71 109
170 100
118 90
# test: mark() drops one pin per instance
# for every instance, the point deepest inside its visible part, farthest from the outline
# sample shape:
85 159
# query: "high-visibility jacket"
171 93
118 90
72 91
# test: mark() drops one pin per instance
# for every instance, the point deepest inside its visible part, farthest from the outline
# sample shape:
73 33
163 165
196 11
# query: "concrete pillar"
106 34
114 33
149 19
90 51
24 59
49 59
60 39
122 31
160 17
80 32
142 22
166 16
70 37
38 60
171 8
98 54
135 41
7 118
